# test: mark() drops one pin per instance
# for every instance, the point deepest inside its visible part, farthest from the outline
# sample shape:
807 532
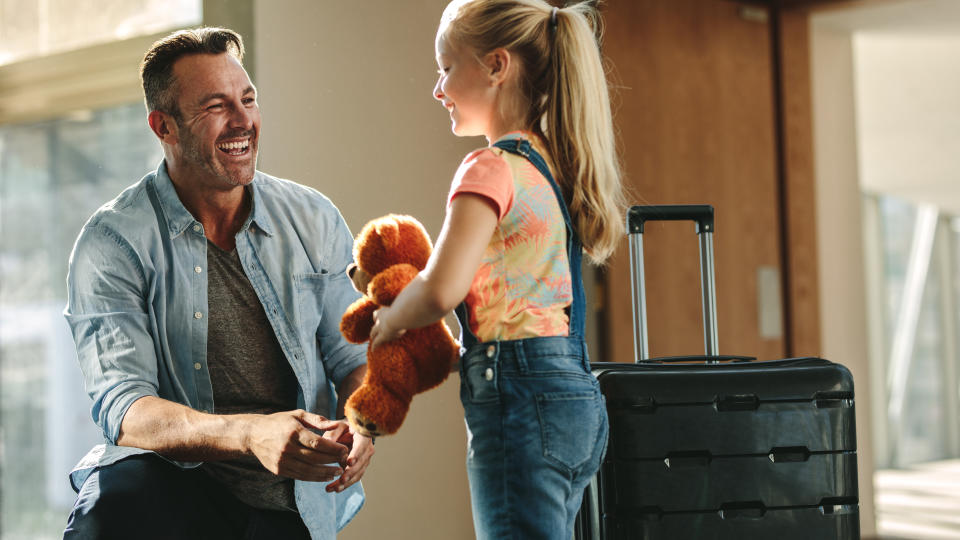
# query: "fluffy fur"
389 252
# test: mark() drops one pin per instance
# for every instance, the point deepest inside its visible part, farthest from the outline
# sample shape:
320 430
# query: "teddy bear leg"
440 354
375 411
381 403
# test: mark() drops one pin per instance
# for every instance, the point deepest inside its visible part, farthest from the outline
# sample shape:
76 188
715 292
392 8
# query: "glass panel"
896 222
923 435
53 176
922 427
36 27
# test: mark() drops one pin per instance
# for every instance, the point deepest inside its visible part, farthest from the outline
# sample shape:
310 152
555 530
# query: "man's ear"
163 126
498 66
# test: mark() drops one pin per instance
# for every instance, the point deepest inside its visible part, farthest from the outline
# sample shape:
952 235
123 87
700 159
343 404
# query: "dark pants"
146 497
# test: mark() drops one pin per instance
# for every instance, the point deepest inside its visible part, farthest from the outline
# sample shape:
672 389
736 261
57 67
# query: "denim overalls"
536 421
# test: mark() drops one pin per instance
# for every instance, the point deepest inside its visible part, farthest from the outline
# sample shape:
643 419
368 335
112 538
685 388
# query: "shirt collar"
179 218
259 215
521 134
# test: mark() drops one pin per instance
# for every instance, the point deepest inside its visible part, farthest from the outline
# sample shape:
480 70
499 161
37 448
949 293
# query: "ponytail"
564 98
578 127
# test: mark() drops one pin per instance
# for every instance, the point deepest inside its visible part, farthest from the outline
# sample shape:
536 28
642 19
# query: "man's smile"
235 147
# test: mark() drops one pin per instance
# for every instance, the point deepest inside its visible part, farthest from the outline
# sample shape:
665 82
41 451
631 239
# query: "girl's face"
466 89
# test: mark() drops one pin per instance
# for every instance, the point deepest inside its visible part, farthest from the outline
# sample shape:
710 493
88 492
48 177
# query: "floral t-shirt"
522 287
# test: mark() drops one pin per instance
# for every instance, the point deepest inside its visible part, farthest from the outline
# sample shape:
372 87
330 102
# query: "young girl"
529 78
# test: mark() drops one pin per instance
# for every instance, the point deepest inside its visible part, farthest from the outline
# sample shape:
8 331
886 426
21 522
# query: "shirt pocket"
310 288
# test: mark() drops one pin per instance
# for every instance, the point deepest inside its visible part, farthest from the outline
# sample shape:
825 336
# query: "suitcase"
720 447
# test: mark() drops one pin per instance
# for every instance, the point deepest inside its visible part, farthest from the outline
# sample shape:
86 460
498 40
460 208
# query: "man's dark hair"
156 69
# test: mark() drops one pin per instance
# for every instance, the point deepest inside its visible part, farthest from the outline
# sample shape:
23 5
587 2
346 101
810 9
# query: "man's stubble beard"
192 155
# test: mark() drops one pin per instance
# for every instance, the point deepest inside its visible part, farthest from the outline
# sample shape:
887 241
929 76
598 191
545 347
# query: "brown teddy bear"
388 253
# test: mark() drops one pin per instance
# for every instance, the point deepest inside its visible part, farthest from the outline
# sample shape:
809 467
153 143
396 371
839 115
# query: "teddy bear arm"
357 321
386 285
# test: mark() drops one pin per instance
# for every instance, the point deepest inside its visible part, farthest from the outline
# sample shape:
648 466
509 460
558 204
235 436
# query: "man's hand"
361 450
286 446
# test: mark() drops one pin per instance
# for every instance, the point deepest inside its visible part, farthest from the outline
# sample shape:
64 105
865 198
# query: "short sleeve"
484 172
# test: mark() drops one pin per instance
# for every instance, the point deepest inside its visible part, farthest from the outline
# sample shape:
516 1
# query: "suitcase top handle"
702 214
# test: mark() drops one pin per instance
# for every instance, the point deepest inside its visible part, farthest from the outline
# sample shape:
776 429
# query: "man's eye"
215 107
249 101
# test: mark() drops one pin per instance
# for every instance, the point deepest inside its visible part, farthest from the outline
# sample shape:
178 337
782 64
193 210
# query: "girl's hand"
361 450
383 331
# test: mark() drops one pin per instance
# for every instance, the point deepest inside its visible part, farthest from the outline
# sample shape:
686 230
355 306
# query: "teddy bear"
388 253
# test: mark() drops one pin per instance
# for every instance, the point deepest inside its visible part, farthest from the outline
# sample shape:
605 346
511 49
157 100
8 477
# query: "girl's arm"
445 281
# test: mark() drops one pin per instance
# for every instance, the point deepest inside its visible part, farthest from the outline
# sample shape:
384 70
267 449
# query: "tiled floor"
920 502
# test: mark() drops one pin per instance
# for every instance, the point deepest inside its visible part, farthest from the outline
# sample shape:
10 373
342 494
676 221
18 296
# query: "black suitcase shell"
730 450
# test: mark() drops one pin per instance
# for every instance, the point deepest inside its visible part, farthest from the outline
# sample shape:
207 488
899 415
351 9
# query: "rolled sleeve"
107 315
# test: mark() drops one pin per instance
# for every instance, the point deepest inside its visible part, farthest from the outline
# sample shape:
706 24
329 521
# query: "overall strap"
522 147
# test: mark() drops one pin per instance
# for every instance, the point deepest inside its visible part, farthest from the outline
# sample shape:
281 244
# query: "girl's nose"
437 92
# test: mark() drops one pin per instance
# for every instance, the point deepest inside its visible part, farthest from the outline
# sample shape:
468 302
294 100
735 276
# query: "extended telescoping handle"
702 214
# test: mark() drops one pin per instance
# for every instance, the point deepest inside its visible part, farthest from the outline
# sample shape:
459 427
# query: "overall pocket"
480 383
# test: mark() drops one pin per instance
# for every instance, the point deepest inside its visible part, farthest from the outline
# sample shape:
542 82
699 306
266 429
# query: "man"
205 302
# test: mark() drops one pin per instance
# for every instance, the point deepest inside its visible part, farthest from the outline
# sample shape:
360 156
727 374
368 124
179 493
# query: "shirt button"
491 350
196 228
488 374
198 315
198 269
197 366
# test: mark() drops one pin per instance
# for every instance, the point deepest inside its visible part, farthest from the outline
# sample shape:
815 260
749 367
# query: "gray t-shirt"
249 374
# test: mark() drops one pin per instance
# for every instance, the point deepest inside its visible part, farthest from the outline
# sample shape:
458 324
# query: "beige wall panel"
345 92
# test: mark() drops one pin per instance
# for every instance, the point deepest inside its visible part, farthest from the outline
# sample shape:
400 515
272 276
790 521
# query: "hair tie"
553 18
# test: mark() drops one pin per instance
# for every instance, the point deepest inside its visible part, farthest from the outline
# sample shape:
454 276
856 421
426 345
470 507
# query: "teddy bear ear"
389 232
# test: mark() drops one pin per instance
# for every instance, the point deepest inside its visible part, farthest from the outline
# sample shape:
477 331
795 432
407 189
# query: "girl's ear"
498 63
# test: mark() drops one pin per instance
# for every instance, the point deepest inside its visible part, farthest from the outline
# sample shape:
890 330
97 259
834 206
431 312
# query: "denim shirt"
137 307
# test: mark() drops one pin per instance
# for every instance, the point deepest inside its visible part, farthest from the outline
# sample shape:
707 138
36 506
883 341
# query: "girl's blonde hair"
563 90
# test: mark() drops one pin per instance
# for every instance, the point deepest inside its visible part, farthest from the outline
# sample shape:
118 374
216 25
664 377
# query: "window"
53 176
35 28
73 134
914 259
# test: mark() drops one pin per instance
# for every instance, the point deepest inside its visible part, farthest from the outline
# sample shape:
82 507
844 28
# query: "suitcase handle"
702 215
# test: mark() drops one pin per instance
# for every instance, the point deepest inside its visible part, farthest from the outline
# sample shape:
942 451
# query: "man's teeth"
234 147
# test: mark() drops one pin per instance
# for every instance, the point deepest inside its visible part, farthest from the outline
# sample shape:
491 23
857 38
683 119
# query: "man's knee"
138 492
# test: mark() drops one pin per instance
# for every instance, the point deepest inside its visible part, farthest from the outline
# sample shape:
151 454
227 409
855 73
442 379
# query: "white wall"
843 318
345 92
908 115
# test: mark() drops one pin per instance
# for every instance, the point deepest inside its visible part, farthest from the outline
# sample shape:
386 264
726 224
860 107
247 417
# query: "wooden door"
695 113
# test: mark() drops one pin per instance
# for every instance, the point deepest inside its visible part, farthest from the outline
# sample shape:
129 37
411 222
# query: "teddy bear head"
386 241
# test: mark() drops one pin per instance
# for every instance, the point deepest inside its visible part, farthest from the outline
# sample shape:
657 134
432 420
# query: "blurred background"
825 132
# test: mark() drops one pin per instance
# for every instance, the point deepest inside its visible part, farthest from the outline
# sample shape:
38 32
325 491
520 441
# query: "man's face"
219 124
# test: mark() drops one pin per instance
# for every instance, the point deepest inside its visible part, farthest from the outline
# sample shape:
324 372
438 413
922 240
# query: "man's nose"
242 117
